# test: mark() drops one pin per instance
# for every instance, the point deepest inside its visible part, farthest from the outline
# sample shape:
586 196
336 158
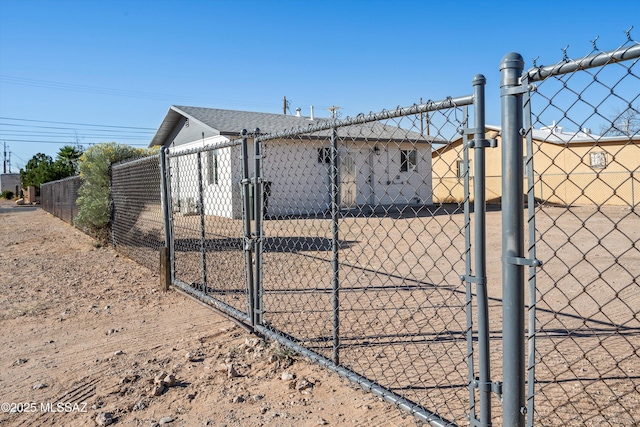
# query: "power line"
75 124
128 132
63 142
115 92
3 135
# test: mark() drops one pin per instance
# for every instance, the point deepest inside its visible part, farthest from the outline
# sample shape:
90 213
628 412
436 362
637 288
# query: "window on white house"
408 160
212 167
324 155
598 159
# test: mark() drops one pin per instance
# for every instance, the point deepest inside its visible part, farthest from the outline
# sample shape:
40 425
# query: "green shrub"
94 201
7 194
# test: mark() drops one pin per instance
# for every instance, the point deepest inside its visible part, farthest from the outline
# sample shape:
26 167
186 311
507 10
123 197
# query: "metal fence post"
203 249
335 210
165 196
171 243
247 244
513 370
480 258
166 213
468 270
633 192
258 203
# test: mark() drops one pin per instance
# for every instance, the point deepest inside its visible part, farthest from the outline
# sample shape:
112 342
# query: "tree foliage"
94 199
42 168
67 158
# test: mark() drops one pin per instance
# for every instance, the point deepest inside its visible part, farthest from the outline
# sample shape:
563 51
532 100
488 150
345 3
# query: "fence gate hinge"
474 279
495 387
486 143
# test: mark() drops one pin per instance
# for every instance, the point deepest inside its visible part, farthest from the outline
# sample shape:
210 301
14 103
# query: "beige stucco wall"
563 175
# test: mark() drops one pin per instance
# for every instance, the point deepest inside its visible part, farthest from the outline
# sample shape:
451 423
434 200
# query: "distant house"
571 168
10 182
378 164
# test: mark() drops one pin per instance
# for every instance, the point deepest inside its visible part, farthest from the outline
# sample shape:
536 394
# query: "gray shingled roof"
231 122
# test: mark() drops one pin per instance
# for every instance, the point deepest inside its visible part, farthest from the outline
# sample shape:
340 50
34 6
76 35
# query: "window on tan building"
598 159
460 169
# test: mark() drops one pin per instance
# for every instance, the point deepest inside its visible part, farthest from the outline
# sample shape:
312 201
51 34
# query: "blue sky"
118 65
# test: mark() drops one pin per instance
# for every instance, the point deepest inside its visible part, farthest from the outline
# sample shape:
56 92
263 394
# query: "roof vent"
311 113
298 111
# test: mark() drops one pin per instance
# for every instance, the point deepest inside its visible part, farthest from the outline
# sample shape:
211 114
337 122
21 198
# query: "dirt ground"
89 339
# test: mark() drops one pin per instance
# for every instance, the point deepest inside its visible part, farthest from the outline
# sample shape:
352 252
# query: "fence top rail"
623 53
372 117
126 163
69 178
174 152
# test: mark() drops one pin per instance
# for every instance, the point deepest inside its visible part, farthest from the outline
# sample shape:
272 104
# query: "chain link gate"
582 220
361 268
336 241
207 226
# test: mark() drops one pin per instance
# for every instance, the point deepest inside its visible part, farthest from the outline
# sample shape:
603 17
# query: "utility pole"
333 110
5 157
284 105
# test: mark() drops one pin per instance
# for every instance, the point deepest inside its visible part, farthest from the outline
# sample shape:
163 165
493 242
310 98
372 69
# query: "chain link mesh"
138 222
59 198
399 314
207 215
586 156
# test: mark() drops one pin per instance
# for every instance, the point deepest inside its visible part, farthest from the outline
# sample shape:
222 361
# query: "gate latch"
522 261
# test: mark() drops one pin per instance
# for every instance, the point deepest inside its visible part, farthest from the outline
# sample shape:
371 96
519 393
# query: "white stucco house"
379 165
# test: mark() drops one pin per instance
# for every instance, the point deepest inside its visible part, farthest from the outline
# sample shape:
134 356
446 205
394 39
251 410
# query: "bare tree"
623 122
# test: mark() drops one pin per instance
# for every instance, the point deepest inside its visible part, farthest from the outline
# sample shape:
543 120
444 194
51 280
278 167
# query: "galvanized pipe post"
247 243
468 270
203 248
513 314
633 191
258 203
480 257
335 211
171 244
165 196
166 213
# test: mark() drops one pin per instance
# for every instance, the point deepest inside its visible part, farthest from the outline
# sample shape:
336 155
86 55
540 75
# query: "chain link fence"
583 137
363 243
328 239
137 226
59 198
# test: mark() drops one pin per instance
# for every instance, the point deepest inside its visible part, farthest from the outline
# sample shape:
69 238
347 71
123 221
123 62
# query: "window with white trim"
408 160
324 155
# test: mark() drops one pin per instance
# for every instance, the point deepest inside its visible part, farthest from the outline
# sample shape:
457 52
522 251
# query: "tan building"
571 168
